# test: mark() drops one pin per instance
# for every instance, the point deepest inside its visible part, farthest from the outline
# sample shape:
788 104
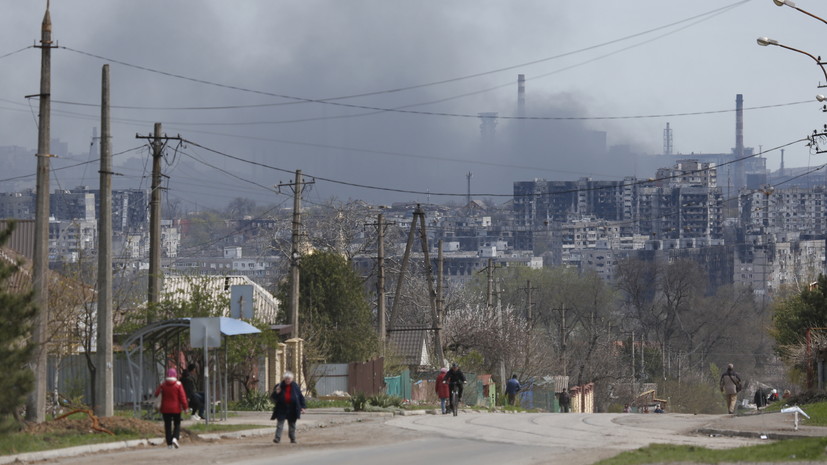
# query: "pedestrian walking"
565 401
730 387
442 390
512 387
173 402
287 395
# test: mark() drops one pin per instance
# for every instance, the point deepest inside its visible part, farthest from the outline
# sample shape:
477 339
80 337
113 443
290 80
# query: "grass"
214 428
782 451
18 443
817 412
330 403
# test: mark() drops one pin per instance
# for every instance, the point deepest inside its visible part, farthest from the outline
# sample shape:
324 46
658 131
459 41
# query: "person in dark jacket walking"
565 401
512 387
194 398
287 395
173 402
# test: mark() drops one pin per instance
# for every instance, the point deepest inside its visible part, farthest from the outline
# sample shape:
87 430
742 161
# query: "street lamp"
792 5
766 41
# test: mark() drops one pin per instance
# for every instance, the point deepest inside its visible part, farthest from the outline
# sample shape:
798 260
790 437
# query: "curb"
118 445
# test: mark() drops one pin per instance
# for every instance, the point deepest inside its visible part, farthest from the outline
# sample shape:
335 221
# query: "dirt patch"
118 425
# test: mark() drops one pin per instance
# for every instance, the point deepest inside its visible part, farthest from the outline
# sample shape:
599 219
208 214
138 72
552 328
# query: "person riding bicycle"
455 379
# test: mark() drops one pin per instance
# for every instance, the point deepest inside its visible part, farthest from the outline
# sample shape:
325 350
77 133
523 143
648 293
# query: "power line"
24 176
450 194
16 51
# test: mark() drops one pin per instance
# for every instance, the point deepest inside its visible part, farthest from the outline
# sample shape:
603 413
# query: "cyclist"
455 378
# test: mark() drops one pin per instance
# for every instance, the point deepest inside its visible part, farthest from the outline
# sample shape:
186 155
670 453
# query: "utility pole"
381 301
440 283
159 141
36 404
104 398
489 297
529 302
295 254
401 278
423 237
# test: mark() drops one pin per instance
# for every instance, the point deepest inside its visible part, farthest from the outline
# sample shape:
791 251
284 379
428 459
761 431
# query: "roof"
21 280
411 345
179 287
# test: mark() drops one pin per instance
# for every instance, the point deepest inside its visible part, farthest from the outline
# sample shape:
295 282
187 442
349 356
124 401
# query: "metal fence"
330 378
72 376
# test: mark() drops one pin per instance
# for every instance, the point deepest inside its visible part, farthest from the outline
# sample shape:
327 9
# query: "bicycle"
454 398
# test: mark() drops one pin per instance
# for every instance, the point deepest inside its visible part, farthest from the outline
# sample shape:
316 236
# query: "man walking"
195 398
730 386
512 387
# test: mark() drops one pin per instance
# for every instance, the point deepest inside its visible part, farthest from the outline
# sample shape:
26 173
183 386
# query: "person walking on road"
194 398
173 402
287 395
512 387
730 387
442 390
565 401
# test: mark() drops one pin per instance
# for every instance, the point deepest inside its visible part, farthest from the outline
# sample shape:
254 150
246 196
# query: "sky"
584 59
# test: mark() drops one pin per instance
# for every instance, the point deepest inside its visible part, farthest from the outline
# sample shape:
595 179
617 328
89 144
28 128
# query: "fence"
70 376
330 378
364 377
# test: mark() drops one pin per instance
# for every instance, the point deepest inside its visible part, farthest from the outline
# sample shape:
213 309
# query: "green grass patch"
329 403
18 443
782 451
219 428
817 412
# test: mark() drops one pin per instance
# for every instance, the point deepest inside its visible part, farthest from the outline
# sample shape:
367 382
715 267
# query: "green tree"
795 314
335 313
18 310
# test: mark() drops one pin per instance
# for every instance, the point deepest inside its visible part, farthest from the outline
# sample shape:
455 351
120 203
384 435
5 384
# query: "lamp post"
792 5
766 41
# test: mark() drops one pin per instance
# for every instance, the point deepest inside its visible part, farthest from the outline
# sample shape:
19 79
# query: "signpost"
206 333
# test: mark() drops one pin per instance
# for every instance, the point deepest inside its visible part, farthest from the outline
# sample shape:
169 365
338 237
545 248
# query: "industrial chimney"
521 95
740 165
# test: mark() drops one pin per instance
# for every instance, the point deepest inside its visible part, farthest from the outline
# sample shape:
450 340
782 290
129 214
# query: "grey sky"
328 48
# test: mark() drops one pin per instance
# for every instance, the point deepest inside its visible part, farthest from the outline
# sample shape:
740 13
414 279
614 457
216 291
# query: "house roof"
179 287
411 345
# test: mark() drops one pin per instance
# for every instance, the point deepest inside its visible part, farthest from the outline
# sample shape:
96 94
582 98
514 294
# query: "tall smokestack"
739 125
740 165
521 95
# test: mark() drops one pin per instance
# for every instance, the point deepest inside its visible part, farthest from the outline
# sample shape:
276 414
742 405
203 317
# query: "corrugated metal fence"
73 379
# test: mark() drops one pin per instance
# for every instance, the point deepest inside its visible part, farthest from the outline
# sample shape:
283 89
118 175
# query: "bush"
808 397
359 402
255 401
385 400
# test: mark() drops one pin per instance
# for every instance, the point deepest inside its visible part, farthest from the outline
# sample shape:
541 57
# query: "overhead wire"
452 194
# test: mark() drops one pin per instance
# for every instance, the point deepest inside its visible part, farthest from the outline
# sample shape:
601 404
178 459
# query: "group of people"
447 381
178 396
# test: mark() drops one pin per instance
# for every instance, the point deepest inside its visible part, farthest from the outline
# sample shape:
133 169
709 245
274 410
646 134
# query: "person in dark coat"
173 402
455 378
565 401
195 398
287 395
512 387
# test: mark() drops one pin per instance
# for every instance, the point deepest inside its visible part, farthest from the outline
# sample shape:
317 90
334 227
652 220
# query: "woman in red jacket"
442 389
173 402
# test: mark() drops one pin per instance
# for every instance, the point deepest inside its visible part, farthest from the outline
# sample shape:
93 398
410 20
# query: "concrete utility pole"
154 289
402 270
381 301
36 404
159 141
529 302
295 254
104 396
423 237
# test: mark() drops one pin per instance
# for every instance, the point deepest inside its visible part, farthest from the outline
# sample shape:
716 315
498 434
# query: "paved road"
471 438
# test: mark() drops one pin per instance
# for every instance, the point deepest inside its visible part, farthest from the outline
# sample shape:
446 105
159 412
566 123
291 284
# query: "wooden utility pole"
36 404
158 143
295 253
104 395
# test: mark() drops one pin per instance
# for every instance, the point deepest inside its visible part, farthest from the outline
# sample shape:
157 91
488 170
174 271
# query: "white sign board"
241 302
205 332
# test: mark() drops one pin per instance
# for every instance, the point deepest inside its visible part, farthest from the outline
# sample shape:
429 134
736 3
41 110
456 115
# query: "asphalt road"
471 438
